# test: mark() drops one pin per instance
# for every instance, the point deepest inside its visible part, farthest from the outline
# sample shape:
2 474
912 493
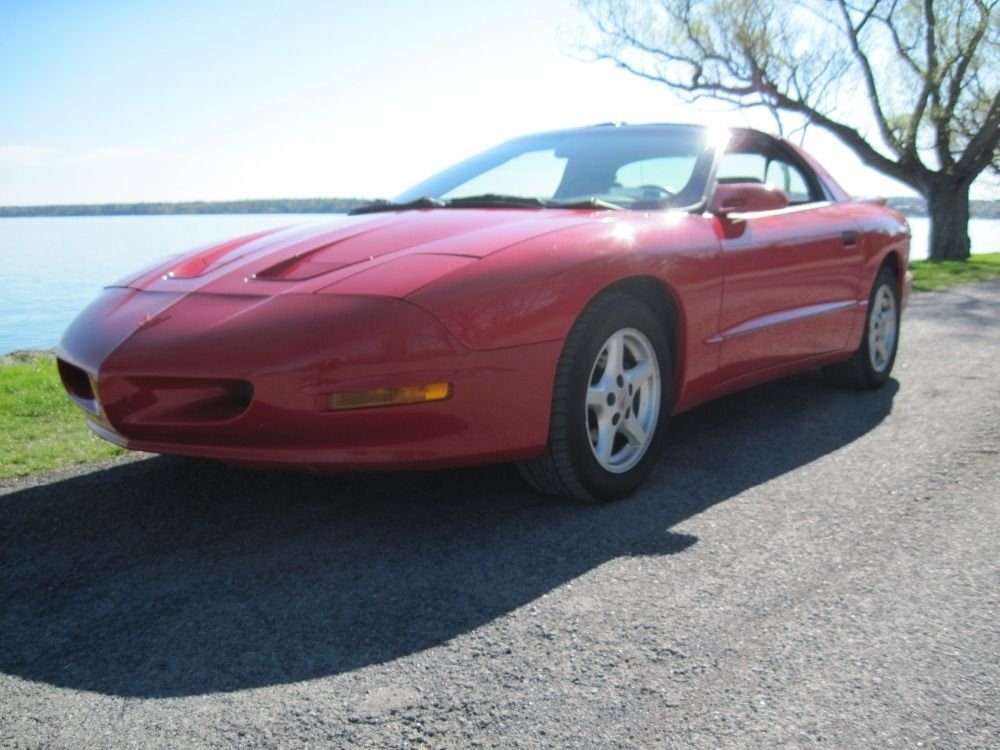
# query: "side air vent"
78 385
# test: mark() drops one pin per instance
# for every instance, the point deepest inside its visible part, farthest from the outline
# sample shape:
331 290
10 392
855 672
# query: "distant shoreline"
267 206
979 209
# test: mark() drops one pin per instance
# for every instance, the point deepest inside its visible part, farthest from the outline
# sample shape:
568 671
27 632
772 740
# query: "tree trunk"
948 209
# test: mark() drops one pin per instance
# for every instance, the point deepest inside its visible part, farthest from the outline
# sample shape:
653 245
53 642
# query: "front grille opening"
166 401
75 381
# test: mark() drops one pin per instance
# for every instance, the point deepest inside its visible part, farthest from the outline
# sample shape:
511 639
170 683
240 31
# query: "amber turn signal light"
408 394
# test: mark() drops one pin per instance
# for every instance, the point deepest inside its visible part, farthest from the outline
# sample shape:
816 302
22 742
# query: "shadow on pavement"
169 577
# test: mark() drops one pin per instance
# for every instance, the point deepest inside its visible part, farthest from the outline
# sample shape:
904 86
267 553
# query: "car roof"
652 127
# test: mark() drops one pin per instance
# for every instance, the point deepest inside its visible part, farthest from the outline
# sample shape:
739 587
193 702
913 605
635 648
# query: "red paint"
231 352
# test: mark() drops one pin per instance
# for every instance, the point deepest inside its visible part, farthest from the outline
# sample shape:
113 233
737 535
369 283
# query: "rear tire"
871 364
610 404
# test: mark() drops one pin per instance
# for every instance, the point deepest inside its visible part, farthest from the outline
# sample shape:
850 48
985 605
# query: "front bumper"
248 381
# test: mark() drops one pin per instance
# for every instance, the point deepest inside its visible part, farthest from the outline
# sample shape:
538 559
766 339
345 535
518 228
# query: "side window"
776 172
783 175
742 168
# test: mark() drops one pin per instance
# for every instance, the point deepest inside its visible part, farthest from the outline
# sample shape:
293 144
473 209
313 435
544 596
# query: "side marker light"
409 394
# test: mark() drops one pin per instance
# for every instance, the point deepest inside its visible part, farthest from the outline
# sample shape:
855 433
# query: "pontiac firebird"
551 302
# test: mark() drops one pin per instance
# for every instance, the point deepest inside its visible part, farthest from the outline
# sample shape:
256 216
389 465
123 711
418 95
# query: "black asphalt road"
808 567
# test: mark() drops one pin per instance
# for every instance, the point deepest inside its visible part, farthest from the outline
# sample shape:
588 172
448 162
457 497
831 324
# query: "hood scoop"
306 265
198 264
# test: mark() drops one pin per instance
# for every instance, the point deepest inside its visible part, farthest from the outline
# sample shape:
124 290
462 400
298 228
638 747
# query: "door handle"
850 238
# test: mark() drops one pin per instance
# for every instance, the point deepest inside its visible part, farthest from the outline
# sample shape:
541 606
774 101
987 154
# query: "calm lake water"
50 268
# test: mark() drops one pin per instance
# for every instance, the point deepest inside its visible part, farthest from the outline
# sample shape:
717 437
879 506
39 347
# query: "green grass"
40 428
928 275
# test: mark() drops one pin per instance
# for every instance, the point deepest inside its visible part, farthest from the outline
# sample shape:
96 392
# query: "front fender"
533 292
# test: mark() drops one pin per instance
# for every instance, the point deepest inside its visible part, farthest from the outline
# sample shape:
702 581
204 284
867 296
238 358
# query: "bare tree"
911 86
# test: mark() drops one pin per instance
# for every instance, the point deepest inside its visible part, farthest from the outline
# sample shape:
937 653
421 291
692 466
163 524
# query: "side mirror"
746 197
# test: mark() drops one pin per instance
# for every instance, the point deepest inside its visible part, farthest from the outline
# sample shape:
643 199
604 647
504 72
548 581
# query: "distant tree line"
278 206
978 209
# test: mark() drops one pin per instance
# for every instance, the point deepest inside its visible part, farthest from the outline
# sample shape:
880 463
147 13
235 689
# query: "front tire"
871 364
610 404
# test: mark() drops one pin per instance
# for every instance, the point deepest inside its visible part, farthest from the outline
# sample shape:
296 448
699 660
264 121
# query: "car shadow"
170 577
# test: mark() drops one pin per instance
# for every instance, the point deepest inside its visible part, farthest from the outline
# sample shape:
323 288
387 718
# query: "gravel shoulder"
808 566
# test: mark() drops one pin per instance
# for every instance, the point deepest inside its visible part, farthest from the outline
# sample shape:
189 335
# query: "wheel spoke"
597 398
605 441
615 353
633 431
639 375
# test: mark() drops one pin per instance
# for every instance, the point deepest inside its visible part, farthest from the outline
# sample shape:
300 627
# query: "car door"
790 275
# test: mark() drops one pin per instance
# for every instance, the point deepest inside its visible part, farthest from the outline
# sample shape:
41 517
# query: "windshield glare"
642 168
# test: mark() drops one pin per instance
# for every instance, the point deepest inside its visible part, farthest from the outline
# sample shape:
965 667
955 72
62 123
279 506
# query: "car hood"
390 254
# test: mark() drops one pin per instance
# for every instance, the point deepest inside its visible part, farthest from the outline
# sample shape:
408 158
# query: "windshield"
640 167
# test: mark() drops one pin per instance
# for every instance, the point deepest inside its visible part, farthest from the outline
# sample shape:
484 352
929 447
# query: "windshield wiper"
490 200
485 200
424 201
495 200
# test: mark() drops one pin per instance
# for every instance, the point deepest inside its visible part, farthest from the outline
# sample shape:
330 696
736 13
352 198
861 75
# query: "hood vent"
198 264
302 267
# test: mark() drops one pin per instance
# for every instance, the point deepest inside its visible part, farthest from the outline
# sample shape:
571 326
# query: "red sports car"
551 301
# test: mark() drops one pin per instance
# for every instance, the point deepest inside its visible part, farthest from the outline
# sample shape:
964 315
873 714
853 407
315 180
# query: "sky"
134 100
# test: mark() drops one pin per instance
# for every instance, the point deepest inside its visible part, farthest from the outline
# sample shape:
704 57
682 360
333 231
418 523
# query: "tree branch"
904 52
913 175
981 150
966 54
939 91
852 34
